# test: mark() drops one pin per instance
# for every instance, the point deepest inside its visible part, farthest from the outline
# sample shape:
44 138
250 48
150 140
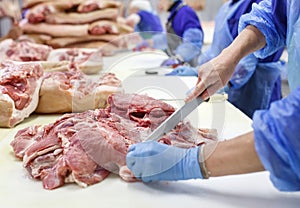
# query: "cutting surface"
18 190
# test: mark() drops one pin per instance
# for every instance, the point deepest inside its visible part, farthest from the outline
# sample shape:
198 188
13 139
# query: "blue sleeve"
264 16
149 22
160 41
243 71
185 19
277 141
192 44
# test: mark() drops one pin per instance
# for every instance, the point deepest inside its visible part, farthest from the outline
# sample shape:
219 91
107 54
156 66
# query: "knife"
174 119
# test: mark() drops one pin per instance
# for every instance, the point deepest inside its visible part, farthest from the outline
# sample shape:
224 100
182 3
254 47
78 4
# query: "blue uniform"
184 33
277 141
149 22
255 82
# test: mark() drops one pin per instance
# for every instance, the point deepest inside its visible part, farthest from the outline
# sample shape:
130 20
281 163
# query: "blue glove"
141 46
173 62
183 71
153 161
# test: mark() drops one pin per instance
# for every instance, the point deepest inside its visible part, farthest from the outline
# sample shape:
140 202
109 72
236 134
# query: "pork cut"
19 91
84 147
73 91
93 5
82 18
89 61
23 51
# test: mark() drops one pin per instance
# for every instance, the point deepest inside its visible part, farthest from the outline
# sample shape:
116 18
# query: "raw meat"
108 27
72 91
66 41
19 91
77 146
92 5
89 61
82 18
55 30
23 51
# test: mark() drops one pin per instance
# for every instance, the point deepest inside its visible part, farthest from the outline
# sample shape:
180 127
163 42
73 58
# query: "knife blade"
174 119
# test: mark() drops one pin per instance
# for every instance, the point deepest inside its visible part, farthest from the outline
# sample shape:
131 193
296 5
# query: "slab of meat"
19 91
108 27
72 91
30 3
107 49
23 51
77 146
62 30
93 5
59 42
89 61
82 18
38 13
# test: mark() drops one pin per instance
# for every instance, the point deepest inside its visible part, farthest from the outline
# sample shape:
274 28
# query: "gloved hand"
173 62
153 161
183 71
141 46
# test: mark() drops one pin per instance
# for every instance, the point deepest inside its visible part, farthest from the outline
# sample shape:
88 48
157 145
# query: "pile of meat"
75 23
85 147
88 61
25 88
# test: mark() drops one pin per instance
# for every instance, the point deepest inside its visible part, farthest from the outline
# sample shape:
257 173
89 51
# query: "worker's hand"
183 71
173 62
153 161
212 76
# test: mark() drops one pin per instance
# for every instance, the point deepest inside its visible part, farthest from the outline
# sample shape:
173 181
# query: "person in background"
184 35
274 143
255 82
143 19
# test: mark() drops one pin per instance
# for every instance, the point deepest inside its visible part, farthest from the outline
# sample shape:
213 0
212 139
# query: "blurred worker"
255 82
184 38
274 143
143 19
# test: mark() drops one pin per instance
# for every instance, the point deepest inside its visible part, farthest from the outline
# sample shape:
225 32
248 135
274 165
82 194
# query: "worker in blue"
143 19
274 143
184 35
255 82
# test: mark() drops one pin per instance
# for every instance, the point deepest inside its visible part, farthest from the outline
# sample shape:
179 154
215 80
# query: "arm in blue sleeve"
262 17
160 41
243 71
277 141
192 44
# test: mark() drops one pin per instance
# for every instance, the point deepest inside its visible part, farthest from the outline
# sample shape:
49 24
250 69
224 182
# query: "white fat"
20 115
27 159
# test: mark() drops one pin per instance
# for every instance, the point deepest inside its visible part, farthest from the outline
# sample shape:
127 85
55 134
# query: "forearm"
235 156
247 42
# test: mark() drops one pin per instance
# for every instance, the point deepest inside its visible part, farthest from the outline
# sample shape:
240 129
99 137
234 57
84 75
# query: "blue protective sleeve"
262 17
243 71
277 141
160 41
192 44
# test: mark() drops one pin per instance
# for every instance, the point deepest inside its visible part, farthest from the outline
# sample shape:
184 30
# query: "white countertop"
249 190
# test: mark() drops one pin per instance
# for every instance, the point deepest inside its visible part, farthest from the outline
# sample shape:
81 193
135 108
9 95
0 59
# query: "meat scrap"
19 91
84 148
